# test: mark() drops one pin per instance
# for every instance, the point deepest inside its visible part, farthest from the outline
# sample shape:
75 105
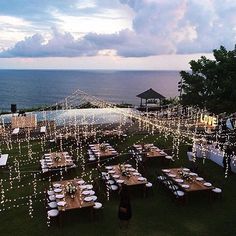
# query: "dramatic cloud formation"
158 27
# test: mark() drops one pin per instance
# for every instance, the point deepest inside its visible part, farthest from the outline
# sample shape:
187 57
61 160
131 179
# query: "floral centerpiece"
185 175
148 149
124 171
103 147
57 158
71 189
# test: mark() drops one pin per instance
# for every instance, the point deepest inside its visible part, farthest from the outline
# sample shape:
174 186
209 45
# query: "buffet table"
214 154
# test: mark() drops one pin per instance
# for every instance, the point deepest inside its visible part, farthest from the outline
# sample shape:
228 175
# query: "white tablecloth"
215 155
3 159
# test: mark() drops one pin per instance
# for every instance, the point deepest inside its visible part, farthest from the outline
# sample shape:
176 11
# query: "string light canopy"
182 124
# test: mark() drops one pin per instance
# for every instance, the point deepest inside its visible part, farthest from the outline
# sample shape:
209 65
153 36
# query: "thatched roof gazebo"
151 97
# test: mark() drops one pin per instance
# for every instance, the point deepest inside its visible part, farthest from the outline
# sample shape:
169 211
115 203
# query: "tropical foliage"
211 84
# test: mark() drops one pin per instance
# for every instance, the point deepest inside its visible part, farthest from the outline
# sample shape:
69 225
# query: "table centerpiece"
57 158
103 147
124 171
185 176
71 189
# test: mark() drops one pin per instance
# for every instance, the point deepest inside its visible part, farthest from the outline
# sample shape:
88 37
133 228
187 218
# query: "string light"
170 126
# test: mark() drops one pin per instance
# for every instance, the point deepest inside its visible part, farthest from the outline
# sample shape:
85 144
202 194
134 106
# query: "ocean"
32 88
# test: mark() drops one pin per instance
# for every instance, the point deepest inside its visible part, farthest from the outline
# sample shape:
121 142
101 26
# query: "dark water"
28 88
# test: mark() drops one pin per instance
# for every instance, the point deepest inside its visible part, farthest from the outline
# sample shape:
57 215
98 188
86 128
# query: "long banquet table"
132 180
150 151
187 186
105 152
214 154
77 201
56 160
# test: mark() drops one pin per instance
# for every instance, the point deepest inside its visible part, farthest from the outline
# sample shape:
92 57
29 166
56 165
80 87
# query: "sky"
113 34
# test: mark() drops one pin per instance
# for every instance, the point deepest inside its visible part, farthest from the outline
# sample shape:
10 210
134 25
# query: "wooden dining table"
104 153
131 180
194 184
63 162
77 201
150 152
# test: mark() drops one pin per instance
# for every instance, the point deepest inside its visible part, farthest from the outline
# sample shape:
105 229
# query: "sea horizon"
39 87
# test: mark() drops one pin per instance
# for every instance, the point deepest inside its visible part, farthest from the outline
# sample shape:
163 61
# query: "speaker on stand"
13 108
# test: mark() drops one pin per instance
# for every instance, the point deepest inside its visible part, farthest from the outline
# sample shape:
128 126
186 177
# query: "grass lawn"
157 215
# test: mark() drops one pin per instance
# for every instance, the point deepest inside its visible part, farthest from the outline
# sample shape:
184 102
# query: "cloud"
158 27
126 44
59 45
190 26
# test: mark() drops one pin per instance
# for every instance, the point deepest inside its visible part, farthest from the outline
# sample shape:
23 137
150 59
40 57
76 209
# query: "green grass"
156 215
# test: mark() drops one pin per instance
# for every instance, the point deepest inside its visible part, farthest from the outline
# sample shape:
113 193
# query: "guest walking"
227 159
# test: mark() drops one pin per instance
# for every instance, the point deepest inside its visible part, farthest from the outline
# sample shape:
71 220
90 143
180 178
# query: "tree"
170 101
211 84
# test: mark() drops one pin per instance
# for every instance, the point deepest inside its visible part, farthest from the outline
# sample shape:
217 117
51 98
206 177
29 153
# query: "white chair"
97 205
107 177
52 204
179 193
45 170
169 157
114 187
104 174
73 166
167 183
16 131
42 161
52 198
97 209
148 185
148 188
94 198
173 187
90 152
91 192
53 213
50 192
43 167
217 190
92 157
161 178
111 181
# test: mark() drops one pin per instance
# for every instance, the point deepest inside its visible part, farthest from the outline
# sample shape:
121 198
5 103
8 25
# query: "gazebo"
151 97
